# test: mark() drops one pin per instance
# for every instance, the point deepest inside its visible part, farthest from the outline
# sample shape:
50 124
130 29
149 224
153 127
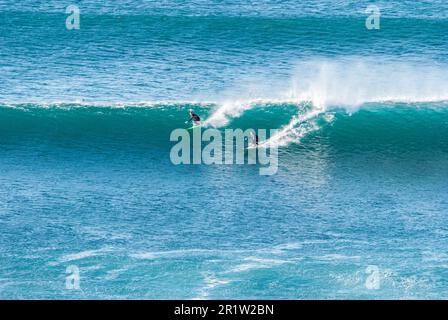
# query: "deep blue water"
85 171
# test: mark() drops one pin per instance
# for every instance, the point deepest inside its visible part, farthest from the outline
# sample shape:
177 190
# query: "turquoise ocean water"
86 178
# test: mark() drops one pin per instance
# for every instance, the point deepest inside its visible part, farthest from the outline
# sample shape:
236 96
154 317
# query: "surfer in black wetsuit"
254 138
194 117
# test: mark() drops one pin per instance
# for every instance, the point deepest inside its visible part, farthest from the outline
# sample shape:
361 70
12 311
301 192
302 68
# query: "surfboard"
193 127
262 144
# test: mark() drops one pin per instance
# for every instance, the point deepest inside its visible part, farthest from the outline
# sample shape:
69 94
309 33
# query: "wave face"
86 178
374 125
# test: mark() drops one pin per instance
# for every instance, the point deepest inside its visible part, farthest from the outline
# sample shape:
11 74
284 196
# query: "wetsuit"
194 117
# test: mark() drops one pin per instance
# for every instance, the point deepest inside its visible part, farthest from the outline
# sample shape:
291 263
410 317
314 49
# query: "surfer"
194 117
254 138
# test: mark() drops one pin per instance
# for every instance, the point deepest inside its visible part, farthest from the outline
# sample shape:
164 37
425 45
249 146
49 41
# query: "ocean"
92 207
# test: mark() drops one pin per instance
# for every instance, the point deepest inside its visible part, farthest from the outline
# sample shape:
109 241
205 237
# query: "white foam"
335 257
210 282
351 82
173 253
115 273
288 246
82 255
296 129
343 83
257 263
